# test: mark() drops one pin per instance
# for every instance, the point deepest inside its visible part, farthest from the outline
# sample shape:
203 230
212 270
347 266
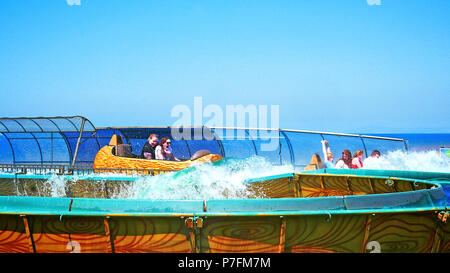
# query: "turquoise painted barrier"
413 220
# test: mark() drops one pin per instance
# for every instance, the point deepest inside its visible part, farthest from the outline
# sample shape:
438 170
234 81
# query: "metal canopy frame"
83 140
15 129
37 123
282 134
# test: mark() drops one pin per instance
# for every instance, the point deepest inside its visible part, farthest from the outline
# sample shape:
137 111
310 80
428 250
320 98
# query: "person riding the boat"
345 161
327 154
373 157
148 151
357 159
163 151
375 154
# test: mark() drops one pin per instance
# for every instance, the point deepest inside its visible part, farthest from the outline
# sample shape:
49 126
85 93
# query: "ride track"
312 211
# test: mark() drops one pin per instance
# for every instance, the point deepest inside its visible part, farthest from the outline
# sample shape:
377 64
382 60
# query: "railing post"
281 246
366 234
194 225
29 235
78 142
109 239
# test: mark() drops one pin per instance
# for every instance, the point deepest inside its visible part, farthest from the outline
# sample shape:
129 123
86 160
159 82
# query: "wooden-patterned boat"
114 156
345 211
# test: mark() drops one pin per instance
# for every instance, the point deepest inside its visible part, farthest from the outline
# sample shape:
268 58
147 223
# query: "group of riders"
347 161
161 150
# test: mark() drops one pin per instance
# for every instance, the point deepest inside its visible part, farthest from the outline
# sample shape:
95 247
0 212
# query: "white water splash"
57 184
427 161
219 180
206 181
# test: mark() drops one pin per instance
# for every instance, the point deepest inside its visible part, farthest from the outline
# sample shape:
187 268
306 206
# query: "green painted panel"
317 233
402 232
240 234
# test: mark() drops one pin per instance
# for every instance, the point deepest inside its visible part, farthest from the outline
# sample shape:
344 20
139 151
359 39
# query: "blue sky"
342 66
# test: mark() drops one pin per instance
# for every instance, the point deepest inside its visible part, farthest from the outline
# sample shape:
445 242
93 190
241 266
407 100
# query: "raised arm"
325 149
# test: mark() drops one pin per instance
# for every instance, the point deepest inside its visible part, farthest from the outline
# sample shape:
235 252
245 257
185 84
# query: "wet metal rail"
74 170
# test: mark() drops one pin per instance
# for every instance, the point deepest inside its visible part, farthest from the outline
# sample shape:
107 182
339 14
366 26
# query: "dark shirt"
148 149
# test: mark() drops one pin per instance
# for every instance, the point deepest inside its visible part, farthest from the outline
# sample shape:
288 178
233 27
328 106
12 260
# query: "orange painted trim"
106 160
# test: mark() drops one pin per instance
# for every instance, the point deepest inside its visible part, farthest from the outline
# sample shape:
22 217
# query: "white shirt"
158 153
341 165
160 156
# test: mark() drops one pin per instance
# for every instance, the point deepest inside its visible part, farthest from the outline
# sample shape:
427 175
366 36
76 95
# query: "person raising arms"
327 154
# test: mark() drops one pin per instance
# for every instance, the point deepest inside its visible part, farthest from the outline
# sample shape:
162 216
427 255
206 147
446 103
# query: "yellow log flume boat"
118 156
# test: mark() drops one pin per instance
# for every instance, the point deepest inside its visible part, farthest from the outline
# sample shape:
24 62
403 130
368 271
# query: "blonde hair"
357 153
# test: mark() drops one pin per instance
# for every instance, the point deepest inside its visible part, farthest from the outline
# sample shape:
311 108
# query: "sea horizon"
421 141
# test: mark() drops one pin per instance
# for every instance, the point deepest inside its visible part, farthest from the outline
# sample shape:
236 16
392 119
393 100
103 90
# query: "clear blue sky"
337 65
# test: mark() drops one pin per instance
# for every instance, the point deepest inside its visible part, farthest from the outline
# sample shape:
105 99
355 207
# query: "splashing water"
224 179
217 180
428 161
57 185
214 180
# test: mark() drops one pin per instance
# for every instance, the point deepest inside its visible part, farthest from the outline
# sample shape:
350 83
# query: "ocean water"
422 142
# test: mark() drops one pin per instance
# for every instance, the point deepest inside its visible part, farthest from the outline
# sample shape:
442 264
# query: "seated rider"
357 159
148 151
327 155
345 161
373 157
375 154
163 151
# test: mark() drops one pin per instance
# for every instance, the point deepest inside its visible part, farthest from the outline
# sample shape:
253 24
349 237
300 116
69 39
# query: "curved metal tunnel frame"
53 128
80 141
282 134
